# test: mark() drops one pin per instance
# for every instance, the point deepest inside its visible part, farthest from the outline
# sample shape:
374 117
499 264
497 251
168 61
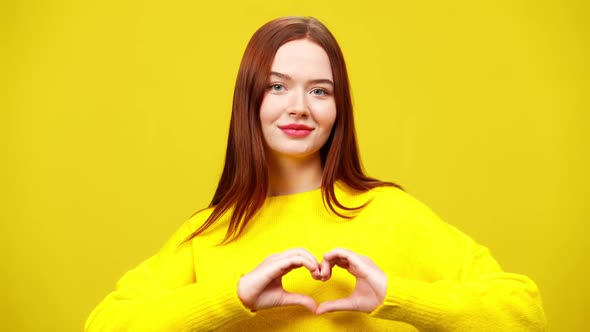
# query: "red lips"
296 130
296 126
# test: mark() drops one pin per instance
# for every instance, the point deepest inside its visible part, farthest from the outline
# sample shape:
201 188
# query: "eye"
277 87
319 92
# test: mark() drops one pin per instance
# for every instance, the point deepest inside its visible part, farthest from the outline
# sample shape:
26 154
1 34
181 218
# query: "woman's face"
298 109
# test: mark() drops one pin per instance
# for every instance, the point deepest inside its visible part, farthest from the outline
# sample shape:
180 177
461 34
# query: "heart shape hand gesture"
263 288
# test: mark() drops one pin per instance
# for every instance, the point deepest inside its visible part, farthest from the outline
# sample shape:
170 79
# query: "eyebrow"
316 81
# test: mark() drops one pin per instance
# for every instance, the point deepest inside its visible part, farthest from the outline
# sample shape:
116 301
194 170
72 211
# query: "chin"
299 154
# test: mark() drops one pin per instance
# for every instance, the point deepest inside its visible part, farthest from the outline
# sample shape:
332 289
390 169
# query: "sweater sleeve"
484 298
163 294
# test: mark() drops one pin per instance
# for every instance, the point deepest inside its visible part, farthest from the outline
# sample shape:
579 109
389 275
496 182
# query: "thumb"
299 299
345 304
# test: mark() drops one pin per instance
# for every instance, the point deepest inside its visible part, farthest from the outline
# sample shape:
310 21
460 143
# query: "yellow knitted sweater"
439 279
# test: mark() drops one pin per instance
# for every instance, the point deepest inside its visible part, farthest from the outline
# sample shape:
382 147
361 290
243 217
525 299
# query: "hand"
263 287
371 282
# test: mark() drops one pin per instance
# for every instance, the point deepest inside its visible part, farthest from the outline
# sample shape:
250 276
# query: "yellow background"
114 118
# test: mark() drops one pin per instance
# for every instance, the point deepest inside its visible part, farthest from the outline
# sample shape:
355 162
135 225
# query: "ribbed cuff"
198 307
219 305
412 302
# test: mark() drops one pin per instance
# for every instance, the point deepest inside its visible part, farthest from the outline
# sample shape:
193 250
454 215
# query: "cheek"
269 110
265 115
327 117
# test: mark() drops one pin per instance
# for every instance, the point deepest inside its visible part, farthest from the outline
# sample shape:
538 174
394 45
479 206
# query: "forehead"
302 59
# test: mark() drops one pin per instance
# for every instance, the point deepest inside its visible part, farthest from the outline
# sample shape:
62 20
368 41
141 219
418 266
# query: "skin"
301 91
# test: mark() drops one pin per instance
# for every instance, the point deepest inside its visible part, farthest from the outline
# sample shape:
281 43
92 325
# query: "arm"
462 287
161 294
483 299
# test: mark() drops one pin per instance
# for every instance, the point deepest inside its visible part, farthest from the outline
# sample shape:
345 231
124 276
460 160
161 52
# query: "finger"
296 252
315 273
342 262
280 268
345 304
256 280
291 263
299 299
338 256
356 264
339 253
325 270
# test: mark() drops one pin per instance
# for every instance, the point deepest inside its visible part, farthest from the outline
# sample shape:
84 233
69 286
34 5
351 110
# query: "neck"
289 175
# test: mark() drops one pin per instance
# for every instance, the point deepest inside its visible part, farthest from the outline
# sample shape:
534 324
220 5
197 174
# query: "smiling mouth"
296 126
296 130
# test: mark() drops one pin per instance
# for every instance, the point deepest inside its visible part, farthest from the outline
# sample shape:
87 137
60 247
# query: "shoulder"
386 200
187 228
398 201
412 217
197 219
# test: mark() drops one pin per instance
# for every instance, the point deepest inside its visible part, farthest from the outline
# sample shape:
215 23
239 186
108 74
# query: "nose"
298 106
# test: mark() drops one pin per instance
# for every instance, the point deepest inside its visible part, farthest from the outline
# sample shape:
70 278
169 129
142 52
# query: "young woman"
298 238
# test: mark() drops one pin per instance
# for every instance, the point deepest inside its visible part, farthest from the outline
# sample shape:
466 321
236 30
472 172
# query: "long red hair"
244 182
